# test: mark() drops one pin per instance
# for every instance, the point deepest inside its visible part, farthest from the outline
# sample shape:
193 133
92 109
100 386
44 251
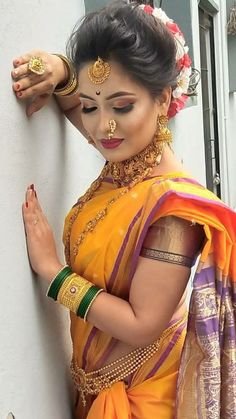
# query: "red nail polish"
19 93
17 86
26 204
32 187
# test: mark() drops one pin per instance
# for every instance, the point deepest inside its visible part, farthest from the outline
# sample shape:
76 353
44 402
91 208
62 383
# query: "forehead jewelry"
99 71
112 127
98 93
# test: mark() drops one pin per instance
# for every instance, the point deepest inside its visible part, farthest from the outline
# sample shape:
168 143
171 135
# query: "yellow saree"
108 257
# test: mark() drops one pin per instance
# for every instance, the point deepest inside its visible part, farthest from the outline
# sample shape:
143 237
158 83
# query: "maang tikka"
99 71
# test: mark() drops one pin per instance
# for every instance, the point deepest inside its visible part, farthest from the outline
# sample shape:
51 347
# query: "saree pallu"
192 377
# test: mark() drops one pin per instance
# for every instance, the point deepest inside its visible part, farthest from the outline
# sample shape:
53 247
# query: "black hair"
138 41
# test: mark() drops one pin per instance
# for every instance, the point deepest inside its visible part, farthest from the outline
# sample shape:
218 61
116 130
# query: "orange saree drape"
205 362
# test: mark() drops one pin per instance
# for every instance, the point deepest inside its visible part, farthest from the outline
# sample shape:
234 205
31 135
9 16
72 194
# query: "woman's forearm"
116 317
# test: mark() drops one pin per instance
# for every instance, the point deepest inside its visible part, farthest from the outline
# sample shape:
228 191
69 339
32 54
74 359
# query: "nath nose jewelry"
112 127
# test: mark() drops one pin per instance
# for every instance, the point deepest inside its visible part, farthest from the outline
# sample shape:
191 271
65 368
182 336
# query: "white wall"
232 148
188 124
34 337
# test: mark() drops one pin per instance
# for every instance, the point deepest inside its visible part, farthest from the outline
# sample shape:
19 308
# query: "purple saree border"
122 249
107 352
87 345
143 234
110 284
167 350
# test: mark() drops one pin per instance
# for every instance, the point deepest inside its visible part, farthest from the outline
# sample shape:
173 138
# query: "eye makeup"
124 109
88 110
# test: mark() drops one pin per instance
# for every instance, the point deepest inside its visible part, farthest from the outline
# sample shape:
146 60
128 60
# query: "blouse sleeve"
174 240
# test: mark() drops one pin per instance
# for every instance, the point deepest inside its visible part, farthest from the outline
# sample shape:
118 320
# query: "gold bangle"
73 291
71 87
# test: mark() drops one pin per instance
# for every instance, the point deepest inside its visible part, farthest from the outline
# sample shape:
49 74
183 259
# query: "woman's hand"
40 240
38 88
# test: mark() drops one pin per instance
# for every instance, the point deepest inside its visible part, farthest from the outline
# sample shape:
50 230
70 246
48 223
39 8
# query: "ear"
163 101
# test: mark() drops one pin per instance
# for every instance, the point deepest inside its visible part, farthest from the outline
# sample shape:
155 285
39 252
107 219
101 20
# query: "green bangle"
89 296
57 282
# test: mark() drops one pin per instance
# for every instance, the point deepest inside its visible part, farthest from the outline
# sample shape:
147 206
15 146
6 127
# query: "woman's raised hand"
39 237
38 88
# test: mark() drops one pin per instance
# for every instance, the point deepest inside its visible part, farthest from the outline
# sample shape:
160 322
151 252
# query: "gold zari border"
167 257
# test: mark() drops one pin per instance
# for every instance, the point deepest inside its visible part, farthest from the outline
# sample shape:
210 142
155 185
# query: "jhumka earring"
112 127
163 132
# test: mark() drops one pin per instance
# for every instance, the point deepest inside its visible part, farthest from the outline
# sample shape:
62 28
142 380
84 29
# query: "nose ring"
112 127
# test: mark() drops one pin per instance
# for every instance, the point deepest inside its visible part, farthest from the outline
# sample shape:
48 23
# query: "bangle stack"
73 291
72 85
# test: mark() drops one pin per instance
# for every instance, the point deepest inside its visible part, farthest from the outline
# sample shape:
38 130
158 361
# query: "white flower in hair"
183 61
160 14
180 42
182 83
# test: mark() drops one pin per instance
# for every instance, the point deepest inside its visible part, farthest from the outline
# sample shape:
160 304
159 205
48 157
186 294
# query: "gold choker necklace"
126 175
130 172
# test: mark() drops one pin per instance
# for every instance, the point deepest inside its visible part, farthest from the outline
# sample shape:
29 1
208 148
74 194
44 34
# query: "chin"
115 156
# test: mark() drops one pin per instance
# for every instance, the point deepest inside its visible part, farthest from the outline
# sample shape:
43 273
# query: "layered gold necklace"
125 175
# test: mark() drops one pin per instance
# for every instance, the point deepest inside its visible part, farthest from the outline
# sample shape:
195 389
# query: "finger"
20 71
45 87
37 104
26 82
25 58
32 198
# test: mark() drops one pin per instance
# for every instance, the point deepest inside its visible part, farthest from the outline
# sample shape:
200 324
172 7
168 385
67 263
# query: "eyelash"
125 109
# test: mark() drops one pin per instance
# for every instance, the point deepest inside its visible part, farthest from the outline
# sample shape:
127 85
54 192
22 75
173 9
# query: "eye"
124 109
88 110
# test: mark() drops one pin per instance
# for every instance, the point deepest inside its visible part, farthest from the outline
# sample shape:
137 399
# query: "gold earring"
163 132
112 127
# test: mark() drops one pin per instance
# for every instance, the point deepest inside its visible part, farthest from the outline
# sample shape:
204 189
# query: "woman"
131 240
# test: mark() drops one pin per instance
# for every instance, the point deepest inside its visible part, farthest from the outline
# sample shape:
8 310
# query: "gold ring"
36 66
36 221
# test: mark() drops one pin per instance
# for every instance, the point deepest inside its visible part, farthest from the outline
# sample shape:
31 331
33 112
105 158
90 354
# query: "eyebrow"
114 95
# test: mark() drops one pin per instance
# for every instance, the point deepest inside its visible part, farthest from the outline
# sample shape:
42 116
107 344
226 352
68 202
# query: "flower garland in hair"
183 61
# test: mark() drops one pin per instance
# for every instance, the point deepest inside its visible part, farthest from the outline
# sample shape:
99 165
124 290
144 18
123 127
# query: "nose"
103 125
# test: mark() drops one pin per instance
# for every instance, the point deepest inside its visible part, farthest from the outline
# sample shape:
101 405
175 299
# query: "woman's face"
121 99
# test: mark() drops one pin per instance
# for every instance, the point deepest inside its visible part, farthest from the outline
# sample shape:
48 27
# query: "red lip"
113 143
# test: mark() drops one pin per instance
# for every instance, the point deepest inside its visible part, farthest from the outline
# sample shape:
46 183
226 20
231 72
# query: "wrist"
63 73
51 271
71 86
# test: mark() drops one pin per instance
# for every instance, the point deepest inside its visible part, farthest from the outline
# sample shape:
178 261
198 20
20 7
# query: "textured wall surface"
34 336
